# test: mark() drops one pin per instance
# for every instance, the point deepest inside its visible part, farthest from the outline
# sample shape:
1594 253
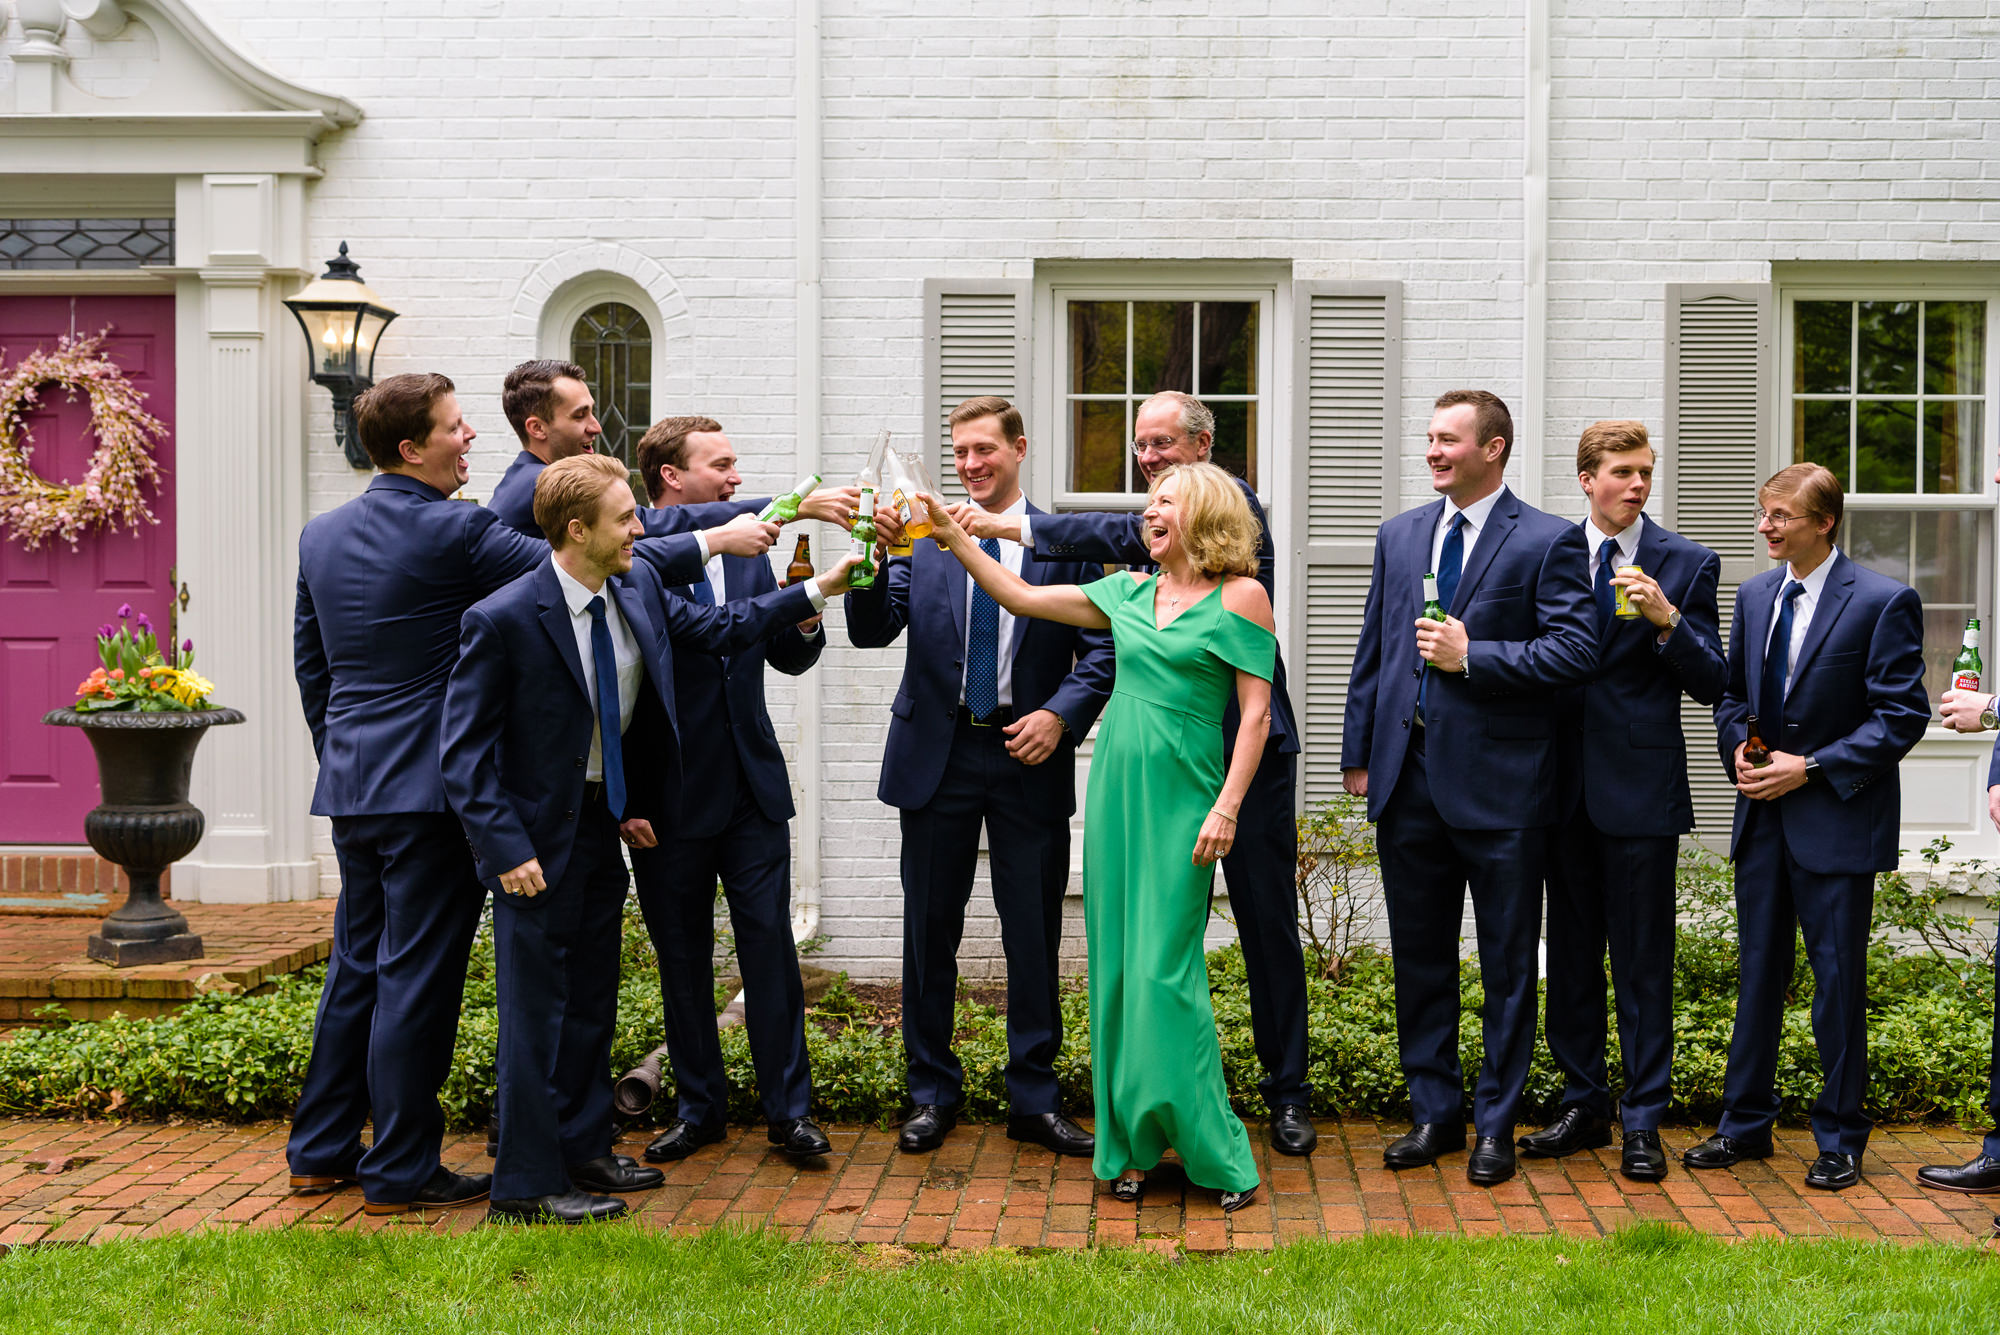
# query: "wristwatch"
1674 619
1989 717
1812 766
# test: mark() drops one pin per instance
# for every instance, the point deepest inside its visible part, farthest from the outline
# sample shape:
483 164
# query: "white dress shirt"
624 647
1802 610
1010 556
1475 523
1627 540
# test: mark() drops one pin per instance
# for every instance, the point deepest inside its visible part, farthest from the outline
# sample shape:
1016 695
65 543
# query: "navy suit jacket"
1856 703
1621 750
1525 600
1121 537
383 581
721 700
514 501
1061 668
517 715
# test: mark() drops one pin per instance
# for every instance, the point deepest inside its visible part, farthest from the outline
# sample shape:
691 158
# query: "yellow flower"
190 688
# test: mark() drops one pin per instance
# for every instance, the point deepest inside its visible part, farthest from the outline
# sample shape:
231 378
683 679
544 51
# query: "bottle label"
1965 681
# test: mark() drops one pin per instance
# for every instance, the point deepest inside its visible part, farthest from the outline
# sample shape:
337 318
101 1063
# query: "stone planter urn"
145 822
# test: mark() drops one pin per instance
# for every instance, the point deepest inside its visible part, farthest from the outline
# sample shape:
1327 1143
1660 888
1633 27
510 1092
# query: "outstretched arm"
1066 603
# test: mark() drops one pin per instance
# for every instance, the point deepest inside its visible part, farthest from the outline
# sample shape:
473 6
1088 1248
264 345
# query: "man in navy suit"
733 826
383 582
1450 735
552 411
1828 657
559 739
1622 766
983 731
1261 871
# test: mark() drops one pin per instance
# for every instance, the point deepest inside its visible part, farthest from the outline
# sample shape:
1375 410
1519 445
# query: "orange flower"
145 672
117 674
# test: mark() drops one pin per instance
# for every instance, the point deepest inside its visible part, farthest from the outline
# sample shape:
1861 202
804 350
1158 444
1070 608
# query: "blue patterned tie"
1607 597
610 742
1777 667
1451 564
982 650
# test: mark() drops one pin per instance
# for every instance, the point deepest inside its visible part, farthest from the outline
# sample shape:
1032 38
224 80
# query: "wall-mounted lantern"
343 322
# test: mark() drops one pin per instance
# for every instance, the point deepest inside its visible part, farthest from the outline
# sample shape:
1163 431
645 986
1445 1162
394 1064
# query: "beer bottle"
784 509
862 541
802 562
1754 750
1433 609
1966 669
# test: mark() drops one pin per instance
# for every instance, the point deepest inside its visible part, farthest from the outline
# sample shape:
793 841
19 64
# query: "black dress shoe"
444 1188
606 1175
926 1128
800 1138
572 1207
1574 1130
1833 1171
1053 1132
1491 1162
1426 1141
1232 1201
680 1139
1292 1131
1644 1159
1720 1151
1981 1177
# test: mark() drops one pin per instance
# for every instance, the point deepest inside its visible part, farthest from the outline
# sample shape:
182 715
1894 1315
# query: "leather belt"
999 718
593 791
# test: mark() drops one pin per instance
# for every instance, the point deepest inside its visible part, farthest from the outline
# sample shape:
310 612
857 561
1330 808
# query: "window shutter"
1720 357
975 342
1347 379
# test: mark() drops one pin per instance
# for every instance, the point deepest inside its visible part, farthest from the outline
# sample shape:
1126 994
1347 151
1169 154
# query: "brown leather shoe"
321 1184
444 1190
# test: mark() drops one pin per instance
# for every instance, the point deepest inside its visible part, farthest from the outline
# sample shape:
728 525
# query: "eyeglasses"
1157 445
1778 521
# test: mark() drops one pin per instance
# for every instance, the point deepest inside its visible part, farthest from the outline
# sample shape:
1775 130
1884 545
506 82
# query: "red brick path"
76 1181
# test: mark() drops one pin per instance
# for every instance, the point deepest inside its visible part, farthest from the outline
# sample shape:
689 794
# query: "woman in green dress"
1160 813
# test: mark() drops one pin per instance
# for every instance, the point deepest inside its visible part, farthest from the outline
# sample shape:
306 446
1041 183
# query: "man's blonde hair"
1815 487
1217 528
1611 436
574 488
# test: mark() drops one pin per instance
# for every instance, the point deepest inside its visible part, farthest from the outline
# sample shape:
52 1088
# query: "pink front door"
53 599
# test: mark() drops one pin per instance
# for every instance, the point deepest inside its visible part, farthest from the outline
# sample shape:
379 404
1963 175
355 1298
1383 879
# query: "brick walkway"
79 1181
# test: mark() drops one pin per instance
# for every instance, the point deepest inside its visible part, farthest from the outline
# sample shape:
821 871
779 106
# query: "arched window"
613 344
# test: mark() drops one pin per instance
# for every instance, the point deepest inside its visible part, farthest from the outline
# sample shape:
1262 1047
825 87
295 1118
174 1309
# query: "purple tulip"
187 646
106 631
145 623
124 611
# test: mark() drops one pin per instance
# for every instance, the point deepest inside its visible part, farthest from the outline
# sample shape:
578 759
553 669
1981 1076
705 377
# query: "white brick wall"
1688 142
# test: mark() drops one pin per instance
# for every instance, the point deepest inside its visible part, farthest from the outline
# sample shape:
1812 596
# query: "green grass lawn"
622 1279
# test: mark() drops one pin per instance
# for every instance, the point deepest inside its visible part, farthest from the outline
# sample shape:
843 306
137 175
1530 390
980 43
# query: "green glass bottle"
1433 609
1966 670
784 509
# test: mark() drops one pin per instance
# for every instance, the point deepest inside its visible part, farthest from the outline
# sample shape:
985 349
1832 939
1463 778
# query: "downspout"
1535 247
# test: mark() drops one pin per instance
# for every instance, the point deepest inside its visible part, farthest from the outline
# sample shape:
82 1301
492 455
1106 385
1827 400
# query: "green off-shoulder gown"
1155 1064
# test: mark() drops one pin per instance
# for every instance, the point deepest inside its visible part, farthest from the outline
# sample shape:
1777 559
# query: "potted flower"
144 716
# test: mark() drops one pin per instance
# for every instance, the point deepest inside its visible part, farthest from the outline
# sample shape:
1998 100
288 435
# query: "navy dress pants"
1612 892
1426 867
676 883
1028 847
1775 899
1261 873
409 905
557 960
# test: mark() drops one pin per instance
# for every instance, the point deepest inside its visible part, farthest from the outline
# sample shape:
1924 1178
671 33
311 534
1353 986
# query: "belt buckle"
974 719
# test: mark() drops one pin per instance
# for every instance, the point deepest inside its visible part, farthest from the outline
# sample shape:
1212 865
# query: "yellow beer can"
1623 608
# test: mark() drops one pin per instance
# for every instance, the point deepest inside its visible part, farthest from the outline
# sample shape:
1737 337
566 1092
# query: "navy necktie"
702 592
982 649
1451 564
610 743
1777 668
1607 597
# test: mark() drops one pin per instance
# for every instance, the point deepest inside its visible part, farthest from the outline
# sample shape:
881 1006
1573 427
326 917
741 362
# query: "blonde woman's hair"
1217 528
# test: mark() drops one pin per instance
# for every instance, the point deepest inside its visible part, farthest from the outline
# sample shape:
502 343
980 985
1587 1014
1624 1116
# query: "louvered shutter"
975 342
1720 356
1346 385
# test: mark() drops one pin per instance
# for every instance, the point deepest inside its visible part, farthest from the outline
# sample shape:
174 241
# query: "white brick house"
830 216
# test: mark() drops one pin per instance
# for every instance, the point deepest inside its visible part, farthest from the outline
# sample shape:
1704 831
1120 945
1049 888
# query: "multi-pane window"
613 344
1121 351
1894 395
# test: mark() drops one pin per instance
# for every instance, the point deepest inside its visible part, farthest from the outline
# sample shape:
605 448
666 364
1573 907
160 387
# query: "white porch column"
241 503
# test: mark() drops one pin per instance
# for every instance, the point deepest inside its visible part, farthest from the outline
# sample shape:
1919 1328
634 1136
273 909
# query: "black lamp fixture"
343 322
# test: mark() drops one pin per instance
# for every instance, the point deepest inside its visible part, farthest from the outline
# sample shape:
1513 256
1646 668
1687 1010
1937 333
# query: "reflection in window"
1889 394
614 346
1940 554
1122 352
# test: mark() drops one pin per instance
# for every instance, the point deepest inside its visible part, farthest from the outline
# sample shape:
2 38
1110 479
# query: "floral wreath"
33 507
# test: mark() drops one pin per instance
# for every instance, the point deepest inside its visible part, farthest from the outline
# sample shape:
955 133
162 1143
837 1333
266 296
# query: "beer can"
1624 609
